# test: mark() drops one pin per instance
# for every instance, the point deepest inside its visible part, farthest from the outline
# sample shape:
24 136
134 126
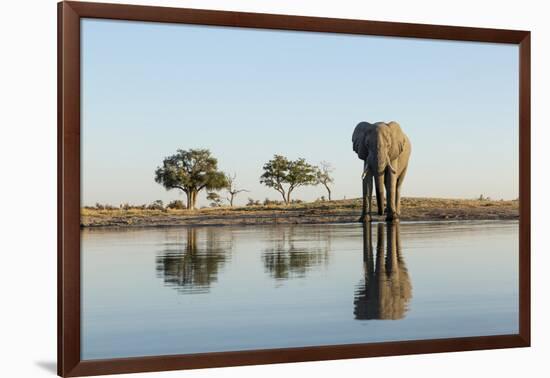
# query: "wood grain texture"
68 213
525 189
69 15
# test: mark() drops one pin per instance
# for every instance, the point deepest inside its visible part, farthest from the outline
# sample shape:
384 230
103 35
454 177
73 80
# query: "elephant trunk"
379 186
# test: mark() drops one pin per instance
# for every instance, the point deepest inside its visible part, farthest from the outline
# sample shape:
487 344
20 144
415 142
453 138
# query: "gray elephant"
385 150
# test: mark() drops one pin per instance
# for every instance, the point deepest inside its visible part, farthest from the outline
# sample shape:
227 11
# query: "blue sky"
246 94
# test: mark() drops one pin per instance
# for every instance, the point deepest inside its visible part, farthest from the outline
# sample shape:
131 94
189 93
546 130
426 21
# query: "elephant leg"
398 191
390 182
364 206
379 186
364 185
368 178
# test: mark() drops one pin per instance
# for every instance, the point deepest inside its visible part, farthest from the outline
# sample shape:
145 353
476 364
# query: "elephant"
385 291
385 150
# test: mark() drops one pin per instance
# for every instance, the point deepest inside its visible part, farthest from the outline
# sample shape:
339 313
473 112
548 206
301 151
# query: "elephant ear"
359 139
398 139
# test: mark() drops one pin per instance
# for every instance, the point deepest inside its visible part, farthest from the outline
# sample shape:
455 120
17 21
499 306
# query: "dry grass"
312 212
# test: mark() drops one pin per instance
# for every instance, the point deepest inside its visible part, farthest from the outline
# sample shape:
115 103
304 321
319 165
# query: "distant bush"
296 201
252 202
268 202
100 206
156 205
176 205
482 198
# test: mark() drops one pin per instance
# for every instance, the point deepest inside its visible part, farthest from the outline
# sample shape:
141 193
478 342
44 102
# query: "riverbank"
340 211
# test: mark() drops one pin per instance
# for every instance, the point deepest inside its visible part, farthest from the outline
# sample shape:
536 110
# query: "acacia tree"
191 171
324 176
285 175
232 188
215 198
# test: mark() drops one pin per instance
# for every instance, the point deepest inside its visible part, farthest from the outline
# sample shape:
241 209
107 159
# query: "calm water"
208 289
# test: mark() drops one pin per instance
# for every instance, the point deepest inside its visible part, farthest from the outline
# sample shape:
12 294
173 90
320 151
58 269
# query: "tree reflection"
294 251
192 266
385 290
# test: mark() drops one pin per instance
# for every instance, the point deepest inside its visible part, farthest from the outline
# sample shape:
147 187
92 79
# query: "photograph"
252 189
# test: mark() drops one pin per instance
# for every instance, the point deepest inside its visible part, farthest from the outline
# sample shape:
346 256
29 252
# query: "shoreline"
342 211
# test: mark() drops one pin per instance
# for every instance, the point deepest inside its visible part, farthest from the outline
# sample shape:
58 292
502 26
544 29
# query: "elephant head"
386 142
358 139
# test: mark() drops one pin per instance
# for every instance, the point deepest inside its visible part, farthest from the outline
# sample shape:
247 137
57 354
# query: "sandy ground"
341 211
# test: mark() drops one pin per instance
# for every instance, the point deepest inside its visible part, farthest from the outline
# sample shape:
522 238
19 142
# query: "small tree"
232 188
191 171
285 175
215 198
324 176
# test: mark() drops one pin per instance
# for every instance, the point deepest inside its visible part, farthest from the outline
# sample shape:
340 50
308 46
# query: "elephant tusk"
364 173
391 167
389 164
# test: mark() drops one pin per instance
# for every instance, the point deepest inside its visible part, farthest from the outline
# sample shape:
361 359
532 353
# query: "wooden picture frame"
69 278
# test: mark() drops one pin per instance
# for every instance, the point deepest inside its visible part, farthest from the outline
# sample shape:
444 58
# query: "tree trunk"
194 199
284 197
328 191
189 202
191 199
231 199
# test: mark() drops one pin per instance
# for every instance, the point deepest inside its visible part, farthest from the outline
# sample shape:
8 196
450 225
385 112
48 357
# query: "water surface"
211 289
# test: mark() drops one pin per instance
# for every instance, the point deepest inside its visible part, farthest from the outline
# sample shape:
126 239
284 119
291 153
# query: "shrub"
156 205
100 206
252 202
482 198
268 202
176 205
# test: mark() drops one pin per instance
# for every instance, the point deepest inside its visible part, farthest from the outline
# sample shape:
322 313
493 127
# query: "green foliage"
176 205
285 175
191 171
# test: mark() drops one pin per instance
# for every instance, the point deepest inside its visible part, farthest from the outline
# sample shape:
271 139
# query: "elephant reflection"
295 250
194 266
386 289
